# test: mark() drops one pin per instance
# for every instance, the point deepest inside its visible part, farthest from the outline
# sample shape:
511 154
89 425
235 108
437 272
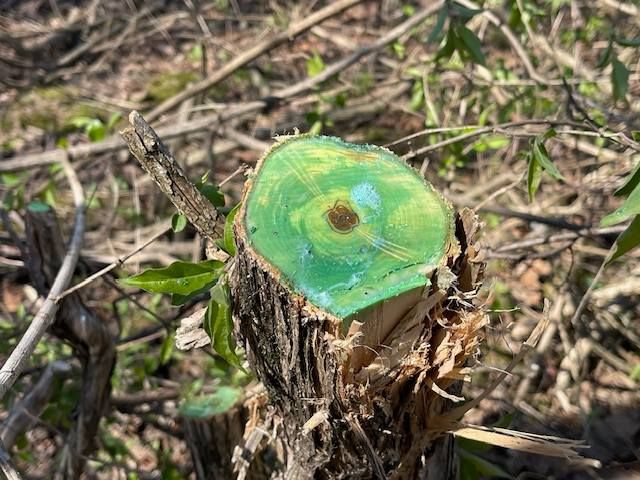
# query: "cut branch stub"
346 226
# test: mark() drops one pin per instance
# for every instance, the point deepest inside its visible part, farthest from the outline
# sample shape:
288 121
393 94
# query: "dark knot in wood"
342 218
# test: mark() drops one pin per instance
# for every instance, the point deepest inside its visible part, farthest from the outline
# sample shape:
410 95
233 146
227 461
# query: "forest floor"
466 95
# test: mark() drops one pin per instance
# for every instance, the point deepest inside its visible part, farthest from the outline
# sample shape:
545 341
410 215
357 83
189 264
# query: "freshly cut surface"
346 226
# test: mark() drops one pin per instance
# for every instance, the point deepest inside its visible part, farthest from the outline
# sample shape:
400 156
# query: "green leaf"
534 175
630 183
218 324
223 399
471 44
631 206
492 142
628 42
474 467
628 240
177 299
605 58
635 135
180 278
166 350
436 33
450 45
196 53
315 65
542 157
464 13
38 207
95 130
635 373
178 222
619 79
227 243
213 194
399 49
113 119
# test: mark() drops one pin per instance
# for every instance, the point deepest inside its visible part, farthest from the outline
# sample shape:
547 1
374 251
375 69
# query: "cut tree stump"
353 286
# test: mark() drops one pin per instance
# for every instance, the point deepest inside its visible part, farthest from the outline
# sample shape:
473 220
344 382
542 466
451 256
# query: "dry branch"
26 412
293 31
158 161
45 316
6 467
78 325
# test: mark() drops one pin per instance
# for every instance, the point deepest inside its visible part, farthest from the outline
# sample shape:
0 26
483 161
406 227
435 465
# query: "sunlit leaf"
630 207
178 222
534 175
315 65
628 240
180 278
542 157
226 242
223 399
630 183
492 142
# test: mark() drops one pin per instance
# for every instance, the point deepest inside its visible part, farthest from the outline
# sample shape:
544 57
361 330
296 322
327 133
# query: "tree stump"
353 288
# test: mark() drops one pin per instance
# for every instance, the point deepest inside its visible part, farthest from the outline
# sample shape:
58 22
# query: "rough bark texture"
212 441
371 423
91 340
158 162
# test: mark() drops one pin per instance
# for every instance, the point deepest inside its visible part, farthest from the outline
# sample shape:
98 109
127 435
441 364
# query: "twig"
560 237
240 61
6 467
585 298
511 37
118 263
346 62
124 258
158 161
457 413
27 411
115 143
46 315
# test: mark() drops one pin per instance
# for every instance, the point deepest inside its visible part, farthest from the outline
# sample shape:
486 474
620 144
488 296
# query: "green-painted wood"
346 225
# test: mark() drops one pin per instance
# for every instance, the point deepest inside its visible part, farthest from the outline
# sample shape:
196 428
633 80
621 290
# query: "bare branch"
240 61
46 315
158 162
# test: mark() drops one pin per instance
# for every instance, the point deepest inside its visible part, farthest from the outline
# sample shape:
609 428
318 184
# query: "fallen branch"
230 112
240 61
46 315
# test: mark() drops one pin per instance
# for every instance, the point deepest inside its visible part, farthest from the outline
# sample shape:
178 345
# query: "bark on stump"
358 371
